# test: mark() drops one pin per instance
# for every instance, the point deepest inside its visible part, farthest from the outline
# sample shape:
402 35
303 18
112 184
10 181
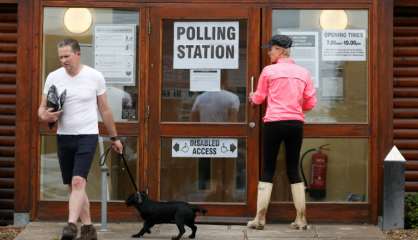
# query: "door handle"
252 84
147 113
251 124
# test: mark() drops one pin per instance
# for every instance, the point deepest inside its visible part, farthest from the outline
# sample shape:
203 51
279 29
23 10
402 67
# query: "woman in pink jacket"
289 91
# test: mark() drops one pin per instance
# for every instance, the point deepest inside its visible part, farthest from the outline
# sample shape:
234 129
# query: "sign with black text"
115 52
344 45
204 147
199 45
205 80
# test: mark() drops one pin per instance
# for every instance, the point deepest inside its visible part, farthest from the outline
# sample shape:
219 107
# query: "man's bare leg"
85 211
77 198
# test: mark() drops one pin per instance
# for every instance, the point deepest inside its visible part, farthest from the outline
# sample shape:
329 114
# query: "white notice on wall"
305 52
114 52
204 147
200 45
344 45
208 80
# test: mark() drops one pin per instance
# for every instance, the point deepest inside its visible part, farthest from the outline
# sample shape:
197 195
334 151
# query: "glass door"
203 141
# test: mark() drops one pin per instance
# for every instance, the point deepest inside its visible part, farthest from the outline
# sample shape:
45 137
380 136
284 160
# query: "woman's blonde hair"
286 52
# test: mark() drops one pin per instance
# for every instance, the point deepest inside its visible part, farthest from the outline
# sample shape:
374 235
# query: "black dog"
153 212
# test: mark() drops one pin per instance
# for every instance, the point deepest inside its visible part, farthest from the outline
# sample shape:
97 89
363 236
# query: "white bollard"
393 191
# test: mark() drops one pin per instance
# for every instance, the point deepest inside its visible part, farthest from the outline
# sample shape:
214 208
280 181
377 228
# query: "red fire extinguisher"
318 181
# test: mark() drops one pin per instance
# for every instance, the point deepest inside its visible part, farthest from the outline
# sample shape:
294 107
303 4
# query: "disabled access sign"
204 147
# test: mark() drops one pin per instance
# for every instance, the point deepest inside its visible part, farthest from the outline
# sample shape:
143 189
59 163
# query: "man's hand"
50 116
117 146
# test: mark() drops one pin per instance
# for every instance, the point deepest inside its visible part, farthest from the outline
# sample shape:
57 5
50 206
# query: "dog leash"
103 159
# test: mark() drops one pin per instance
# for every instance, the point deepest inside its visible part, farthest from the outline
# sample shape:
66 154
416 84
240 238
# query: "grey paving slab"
282 232
123 231
349 231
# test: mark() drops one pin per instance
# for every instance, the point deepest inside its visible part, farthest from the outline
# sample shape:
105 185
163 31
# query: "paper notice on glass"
208 80
305 52
212 45
344 45
115 52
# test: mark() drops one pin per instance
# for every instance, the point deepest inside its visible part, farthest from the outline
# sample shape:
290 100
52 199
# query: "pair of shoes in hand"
55 101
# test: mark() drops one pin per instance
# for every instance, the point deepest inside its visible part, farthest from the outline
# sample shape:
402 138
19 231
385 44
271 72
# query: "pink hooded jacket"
289 91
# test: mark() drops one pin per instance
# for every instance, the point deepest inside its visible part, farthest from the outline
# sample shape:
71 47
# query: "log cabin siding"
8 59
405 90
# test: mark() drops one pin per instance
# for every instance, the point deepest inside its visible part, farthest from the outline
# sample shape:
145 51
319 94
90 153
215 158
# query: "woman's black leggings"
291 132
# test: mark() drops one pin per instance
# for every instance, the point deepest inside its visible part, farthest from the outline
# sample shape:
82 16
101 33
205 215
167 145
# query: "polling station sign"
200 45
344 45
204 147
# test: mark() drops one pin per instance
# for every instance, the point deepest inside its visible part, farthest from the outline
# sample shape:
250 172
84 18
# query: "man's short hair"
75 46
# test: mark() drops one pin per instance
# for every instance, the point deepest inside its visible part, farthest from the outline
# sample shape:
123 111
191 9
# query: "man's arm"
107 117
45 114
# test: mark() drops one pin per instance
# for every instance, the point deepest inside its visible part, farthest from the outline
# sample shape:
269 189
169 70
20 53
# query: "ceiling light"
77 20
333 19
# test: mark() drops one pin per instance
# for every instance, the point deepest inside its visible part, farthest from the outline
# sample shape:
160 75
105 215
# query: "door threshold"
222 220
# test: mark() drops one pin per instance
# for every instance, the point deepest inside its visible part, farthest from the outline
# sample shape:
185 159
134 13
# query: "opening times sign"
344 45
204 147
200 45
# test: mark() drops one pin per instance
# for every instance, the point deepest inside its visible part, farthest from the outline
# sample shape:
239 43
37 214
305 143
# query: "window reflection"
216 106
122 102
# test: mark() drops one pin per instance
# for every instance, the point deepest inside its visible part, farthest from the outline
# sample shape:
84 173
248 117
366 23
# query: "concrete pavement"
123 231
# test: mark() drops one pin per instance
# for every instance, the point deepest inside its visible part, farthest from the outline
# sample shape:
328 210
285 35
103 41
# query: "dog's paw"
175 238
149 231
192 236
136 235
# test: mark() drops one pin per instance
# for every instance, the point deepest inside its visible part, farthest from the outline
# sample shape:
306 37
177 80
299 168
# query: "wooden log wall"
405 90
8 58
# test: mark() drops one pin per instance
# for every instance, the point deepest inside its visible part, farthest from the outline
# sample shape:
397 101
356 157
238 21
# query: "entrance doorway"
203 142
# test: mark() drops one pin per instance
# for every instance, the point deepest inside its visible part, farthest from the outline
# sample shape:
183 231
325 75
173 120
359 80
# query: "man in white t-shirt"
77 132
219 106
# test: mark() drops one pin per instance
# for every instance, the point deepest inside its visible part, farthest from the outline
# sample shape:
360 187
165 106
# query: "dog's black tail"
195 209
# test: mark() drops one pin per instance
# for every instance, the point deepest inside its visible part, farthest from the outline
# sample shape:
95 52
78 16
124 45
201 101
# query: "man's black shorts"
75 154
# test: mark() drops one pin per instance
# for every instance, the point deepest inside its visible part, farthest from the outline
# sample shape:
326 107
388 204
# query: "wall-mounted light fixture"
77 20
333 19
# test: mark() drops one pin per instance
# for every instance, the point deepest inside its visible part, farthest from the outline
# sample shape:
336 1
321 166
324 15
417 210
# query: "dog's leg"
140 233
180 226
145 229
181 232
194 228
